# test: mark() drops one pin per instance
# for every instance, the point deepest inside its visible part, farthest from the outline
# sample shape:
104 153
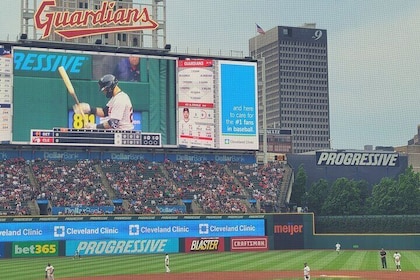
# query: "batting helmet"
107 84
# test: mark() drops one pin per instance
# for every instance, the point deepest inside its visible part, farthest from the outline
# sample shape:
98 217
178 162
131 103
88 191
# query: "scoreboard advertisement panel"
196 103
217 104
204 103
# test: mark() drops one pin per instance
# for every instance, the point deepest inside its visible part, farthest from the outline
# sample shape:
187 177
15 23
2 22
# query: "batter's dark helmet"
107 84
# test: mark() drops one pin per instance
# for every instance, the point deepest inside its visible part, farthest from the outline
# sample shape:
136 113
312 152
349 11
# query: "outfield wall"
114 235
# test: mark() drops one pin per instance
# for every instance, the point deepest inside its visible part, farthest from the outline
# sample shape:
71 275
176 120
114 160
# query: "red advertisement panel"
204 244
249 243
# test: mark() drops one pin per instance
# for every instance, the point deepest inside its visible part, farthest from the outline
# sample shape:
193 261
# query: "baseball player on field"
118 112
397 259
306 272
167 263
77 255
49 272
382 253
337 248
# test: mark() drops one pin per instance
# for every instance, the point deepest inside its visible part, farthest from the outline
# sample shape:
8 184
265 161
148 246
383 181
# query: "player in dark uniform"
382 253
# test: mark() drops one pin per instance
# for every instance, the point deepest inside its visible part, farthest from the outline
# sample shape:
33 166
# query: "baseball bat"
69 86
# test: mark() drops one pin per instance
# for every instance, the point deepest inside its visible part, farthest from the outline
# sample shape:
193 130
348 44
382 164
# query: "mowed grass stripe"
330 259
288 259
253 262
351 260
271 260
235 261
195 262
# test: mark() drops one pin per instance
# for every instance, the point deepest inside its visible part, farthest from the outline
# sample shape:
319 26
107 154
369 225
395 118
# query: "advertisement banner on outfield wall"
34 249
122 246
101 230
241 244
288 232
204 244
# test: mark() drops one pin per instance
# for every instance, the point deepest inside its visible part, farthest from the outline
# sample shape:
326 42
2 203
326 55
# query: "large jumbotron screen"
199 103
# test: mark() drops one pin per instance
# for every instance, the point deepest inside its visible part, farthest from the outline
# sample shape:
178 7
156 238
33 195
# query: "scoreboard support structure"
95 137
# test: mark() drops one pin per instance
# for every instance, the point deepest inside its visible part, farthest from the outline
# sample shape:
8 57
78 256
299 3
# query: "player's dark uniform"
382 253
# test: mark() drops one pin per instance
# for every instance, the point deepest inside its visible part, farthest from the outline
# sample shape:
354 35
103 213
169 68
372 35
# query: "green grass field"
33 268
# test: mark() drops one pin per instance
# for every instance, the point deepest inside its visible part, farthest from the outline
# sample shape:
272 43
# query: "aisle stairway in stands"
247 195
105 182
33 205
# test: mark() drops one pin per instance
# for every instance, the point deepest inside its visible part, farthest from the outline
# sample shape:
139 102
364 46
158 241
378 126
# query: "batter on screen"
118 112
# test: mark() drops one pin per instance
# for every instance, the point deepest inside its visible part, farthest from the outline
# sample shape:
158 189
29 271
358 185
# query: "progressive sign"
357 159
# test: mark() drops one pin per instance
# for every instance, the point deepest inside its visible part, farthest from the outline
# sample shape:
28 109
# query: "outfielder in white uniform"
49 272
397 259
337 247
306 272
118 113
167 263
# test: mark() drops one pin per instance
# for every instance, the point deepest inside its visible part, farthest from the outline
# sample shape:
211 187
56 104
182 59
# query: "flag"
260 30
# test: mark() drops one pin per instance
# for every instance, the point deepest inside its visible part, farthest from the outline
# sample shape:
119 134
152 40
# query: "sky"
373 54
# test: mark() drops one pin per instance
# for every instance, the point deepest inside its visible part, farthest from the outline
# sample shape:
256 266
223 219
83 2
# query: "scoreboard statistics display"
94 137
218 104
204 103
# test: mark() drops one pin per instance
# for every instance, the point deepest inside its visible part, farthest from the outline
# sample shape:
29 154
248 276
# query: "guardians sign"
80 23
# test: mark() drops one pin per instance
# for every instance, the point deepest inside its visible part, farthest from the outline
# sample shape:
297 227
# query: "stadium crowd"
209 184
70 183
141 183
262 182
15 188
145 187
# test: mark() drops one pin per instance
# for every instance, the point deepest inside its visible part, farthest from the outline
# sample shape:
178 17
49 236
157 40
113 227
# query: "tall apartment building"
296 84
148 38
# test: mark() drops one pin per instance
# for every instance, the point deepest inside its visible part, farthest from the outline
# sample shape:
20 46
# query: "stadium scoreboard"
95 137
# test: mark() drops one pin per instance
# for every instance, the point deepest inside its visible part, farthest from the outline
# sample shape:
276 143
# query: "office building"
295 84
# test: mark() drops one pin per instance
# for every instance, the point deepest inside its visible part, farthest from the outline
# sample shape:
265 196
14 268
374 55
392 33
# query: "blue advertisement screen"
29 231
239 107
